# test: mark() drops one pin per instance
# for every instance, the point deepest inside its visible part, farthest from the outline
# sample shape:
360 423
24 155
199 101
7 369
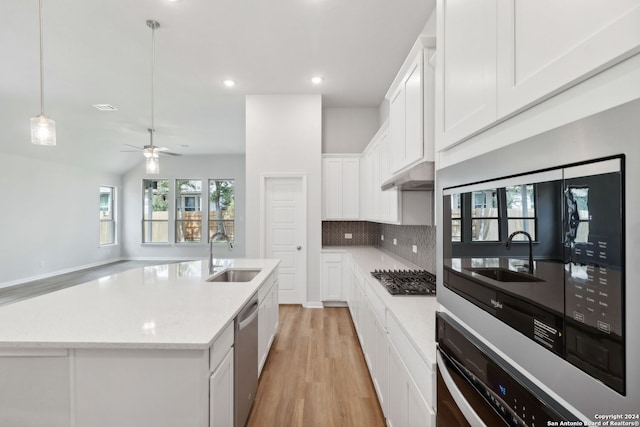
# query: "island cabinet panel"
221 389
268 319
150 387
34 388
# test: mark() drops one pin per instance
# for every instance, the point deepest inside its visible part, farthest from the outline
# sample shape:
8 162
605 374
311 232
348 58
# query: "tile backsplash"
362 233
369 234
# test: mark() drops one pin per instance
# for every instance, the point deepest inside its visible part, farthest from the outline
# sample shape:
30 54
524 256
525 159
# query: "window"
221 209
107 219
155 216
521 212
485 216
188 211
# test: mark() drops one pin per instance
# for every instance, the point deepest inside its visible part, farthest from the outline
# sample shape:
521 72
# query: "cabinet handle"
299 247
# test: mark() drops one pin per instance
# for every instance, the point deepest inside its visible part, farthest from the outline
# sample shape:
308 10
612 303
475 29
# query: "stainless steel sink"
504 275
234 275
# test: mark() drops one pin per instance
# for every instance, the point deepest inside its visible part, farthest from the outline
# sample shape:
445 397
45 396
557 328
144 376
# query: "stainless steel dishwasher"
245 360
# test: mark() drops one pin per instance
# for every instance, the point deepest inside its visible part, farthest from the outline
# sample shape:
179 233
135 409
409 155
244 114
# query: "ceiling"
99 52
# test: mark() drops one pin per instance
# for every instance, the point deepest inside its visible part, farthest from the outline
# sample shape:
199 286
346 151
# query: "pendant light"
151 152
43 129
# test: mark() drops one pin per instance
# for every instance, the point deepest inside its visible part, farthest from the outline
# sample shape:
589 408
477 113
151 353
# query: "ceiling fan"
151 149
152 152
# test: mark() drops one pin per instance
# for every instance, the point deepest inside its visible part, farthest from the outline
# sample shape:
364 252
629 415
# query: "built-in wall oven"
475 387
543 253
568 326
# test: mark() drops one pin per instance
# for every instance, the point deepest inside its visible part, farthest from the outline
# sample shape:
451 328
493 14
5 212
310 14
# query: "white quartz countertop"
162 306
415 314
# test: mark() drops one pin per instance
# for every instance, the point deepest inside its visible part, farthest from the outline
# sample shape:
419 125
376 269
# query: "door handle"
299 247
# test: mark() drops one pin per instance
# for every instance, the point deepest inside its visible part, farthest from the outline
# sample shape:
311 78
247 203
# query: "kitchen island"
138 348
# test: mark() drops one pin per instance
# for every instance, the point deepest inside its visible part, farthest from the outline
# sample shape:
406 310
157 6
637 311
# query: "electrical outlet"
395 242
414 248
348 236
382 237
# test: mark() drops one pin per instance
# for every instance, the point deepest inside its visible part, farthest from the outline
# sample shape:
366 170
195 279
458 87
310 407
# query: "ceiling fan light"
153 165
43 130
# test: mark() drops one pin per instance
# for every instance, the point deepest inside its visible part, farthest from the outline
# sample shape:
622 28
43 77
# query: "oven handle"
467 410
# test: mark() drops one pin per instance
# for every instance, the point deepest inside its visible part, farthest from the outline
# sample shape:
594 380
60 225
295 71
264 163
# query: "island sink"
234 275
504 275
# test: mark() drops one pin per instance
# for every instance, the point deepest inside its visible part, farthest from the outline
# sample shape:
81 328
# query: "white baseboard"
335 304
313 304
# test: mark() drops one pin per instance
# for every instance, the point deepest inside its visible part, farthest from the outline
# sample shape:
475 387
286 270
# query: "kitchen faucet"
212 239
508 245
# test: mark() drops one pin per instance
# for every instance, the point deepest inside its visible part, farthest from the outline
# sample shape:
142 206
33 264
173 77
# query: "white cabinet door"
381 369
414 105
267 324
331 276
351 188
397 128
389 199
546 45
221 393
397 413
466 76
34 388
340 188
332 188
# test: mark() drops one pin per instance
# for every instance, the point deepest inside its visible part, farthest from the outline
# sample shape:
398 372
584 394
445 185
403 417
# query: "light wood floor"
315 374
34 288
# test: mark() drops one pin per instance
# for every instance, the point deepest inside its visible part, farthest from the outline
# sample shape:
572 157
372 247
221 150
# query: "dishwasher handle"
248 316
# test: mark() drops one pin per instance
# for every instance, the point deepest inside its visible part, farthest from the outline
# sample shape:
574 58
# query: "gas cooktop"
407 282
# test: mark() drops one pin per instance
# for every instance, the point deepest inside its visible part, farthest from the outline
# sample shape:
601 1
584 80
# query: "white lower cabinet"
34 388
394 364
331 276
267 318
221 393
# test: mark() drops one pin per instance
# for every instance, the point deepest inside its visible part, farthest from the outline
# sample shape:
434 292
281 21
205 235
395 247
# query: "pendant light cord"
41 66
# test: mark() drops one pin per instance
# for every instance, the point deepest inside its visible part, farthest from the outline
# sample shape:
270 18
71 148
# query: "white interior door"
285 234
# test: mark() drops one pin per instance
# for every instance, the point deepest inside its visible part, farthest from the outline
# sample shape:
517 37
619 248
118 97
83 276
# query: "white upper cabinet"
410 100
466 69
498 58
340 187
546 45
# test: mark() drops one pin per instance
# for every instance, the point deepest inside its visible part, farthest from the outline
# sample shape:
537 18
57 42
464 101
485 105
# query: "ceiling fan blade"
133 146
169 153
129 151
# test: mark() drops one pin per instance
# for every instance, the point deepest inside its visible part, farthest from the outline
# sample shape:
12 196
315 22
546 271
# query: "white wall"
348 130
49 220
203 167
284 136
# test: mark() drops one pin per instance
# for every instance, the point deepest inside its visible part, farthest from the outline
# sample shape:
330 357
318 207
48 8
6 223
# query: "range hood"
418 178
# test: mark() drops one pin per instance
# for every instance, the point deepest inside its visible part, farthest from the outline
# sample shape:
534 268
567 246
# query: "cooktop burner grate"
407 282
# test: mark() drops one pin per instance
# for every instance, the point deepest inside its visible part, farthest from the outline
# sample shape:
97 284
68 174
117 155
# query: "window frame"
149 222
209 216
112 217
180 220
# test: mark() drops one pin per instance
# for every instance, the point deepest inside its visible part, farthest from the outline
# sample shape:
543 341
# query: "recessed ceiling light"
105 107
229 83
316 80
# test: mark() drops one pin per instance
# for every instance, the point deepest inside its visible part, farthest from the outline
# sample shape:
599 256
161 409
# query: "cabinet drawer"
421 373
220 347
377 306
332 256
